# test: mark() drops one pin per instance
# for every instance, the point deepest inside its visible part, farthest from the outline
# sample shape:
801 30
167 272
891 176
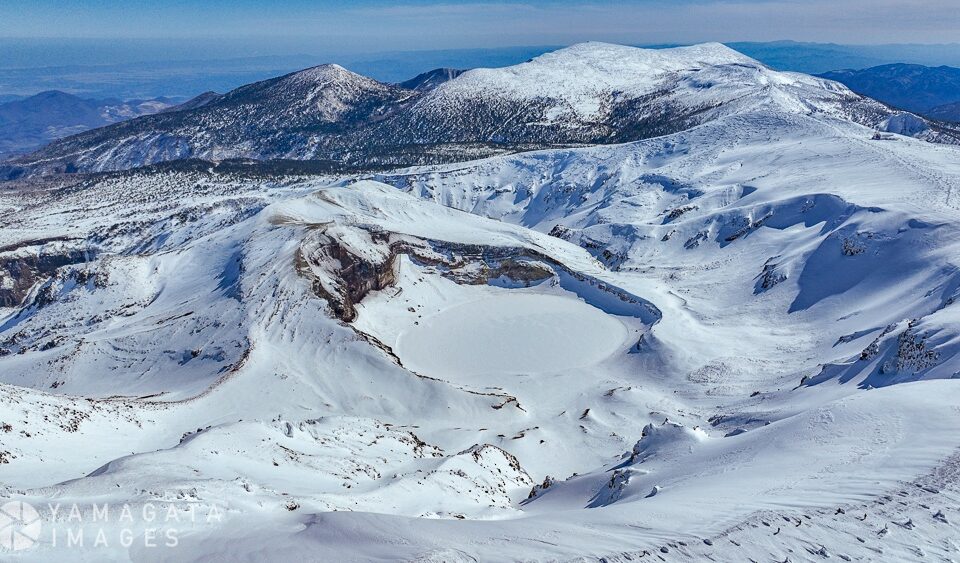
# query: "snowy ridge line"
591 93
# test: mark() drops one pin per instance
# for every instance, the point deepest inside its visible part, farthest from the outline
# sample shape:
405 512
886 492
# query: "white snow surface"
585 73
511 334
740 342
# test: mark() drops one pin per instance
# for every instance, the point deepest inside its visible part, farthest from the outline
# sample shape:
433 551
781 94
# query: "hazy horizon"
107 48
366 26
132 69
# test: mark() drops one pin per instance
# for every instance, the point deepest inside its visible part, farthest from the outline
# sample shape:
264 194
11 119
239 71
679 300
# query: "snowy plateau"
633 305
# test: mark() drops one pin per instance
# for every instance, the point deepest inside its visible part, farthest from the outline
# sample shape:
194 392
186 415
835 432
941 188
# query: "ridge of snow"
588 68
583 80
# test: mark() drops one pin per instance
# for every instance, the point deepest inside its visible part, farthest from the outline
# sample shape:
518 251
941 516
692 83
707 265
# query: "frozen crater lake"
522 333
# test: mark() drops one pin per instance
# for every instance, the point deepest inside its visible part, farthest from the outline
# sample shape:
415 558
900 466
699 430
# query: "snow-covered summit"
624 58
600 93
594 66
322 93
588 80
329 74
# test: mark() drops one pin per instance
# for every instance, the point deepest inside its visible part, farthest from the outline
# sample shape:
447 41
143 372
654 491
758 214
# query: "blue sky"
378 25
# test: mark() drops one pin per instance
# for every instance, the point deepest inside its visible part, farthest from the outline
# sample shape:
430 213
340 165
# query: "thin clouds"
842 21
447 24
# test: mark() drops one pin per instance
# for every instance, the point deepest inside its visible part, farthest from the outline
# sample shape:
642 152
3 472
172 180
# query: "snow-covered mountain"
585 94
737 341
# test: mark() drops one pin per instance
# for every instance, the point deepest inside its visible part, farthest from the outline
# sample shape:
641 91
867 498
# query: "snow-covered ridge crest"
594 66
590 81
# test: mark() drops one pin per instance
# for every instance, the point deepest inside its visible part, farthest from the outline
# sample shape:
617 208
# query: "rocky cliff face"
29 263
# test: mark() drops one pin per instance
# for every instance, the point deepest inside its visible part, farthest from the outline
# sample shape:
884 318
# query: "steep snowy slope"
585 94
734 342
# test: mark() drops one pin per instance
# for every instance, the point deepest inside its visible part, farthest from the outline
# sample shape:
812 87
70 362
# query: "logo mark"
20 526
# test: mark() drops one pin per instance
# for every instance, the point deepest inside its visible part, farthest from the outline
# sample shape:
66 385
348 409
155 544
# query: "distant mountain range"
591 93
29 123
932 91
814 58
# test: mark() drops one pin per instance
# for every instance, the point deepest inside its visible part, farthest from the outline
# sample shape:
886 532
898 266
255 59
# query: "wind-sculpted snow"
738 341
842 220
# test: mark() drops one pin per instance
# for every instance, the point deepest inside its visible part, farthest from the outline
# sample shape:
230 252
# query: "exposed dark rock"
21 272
